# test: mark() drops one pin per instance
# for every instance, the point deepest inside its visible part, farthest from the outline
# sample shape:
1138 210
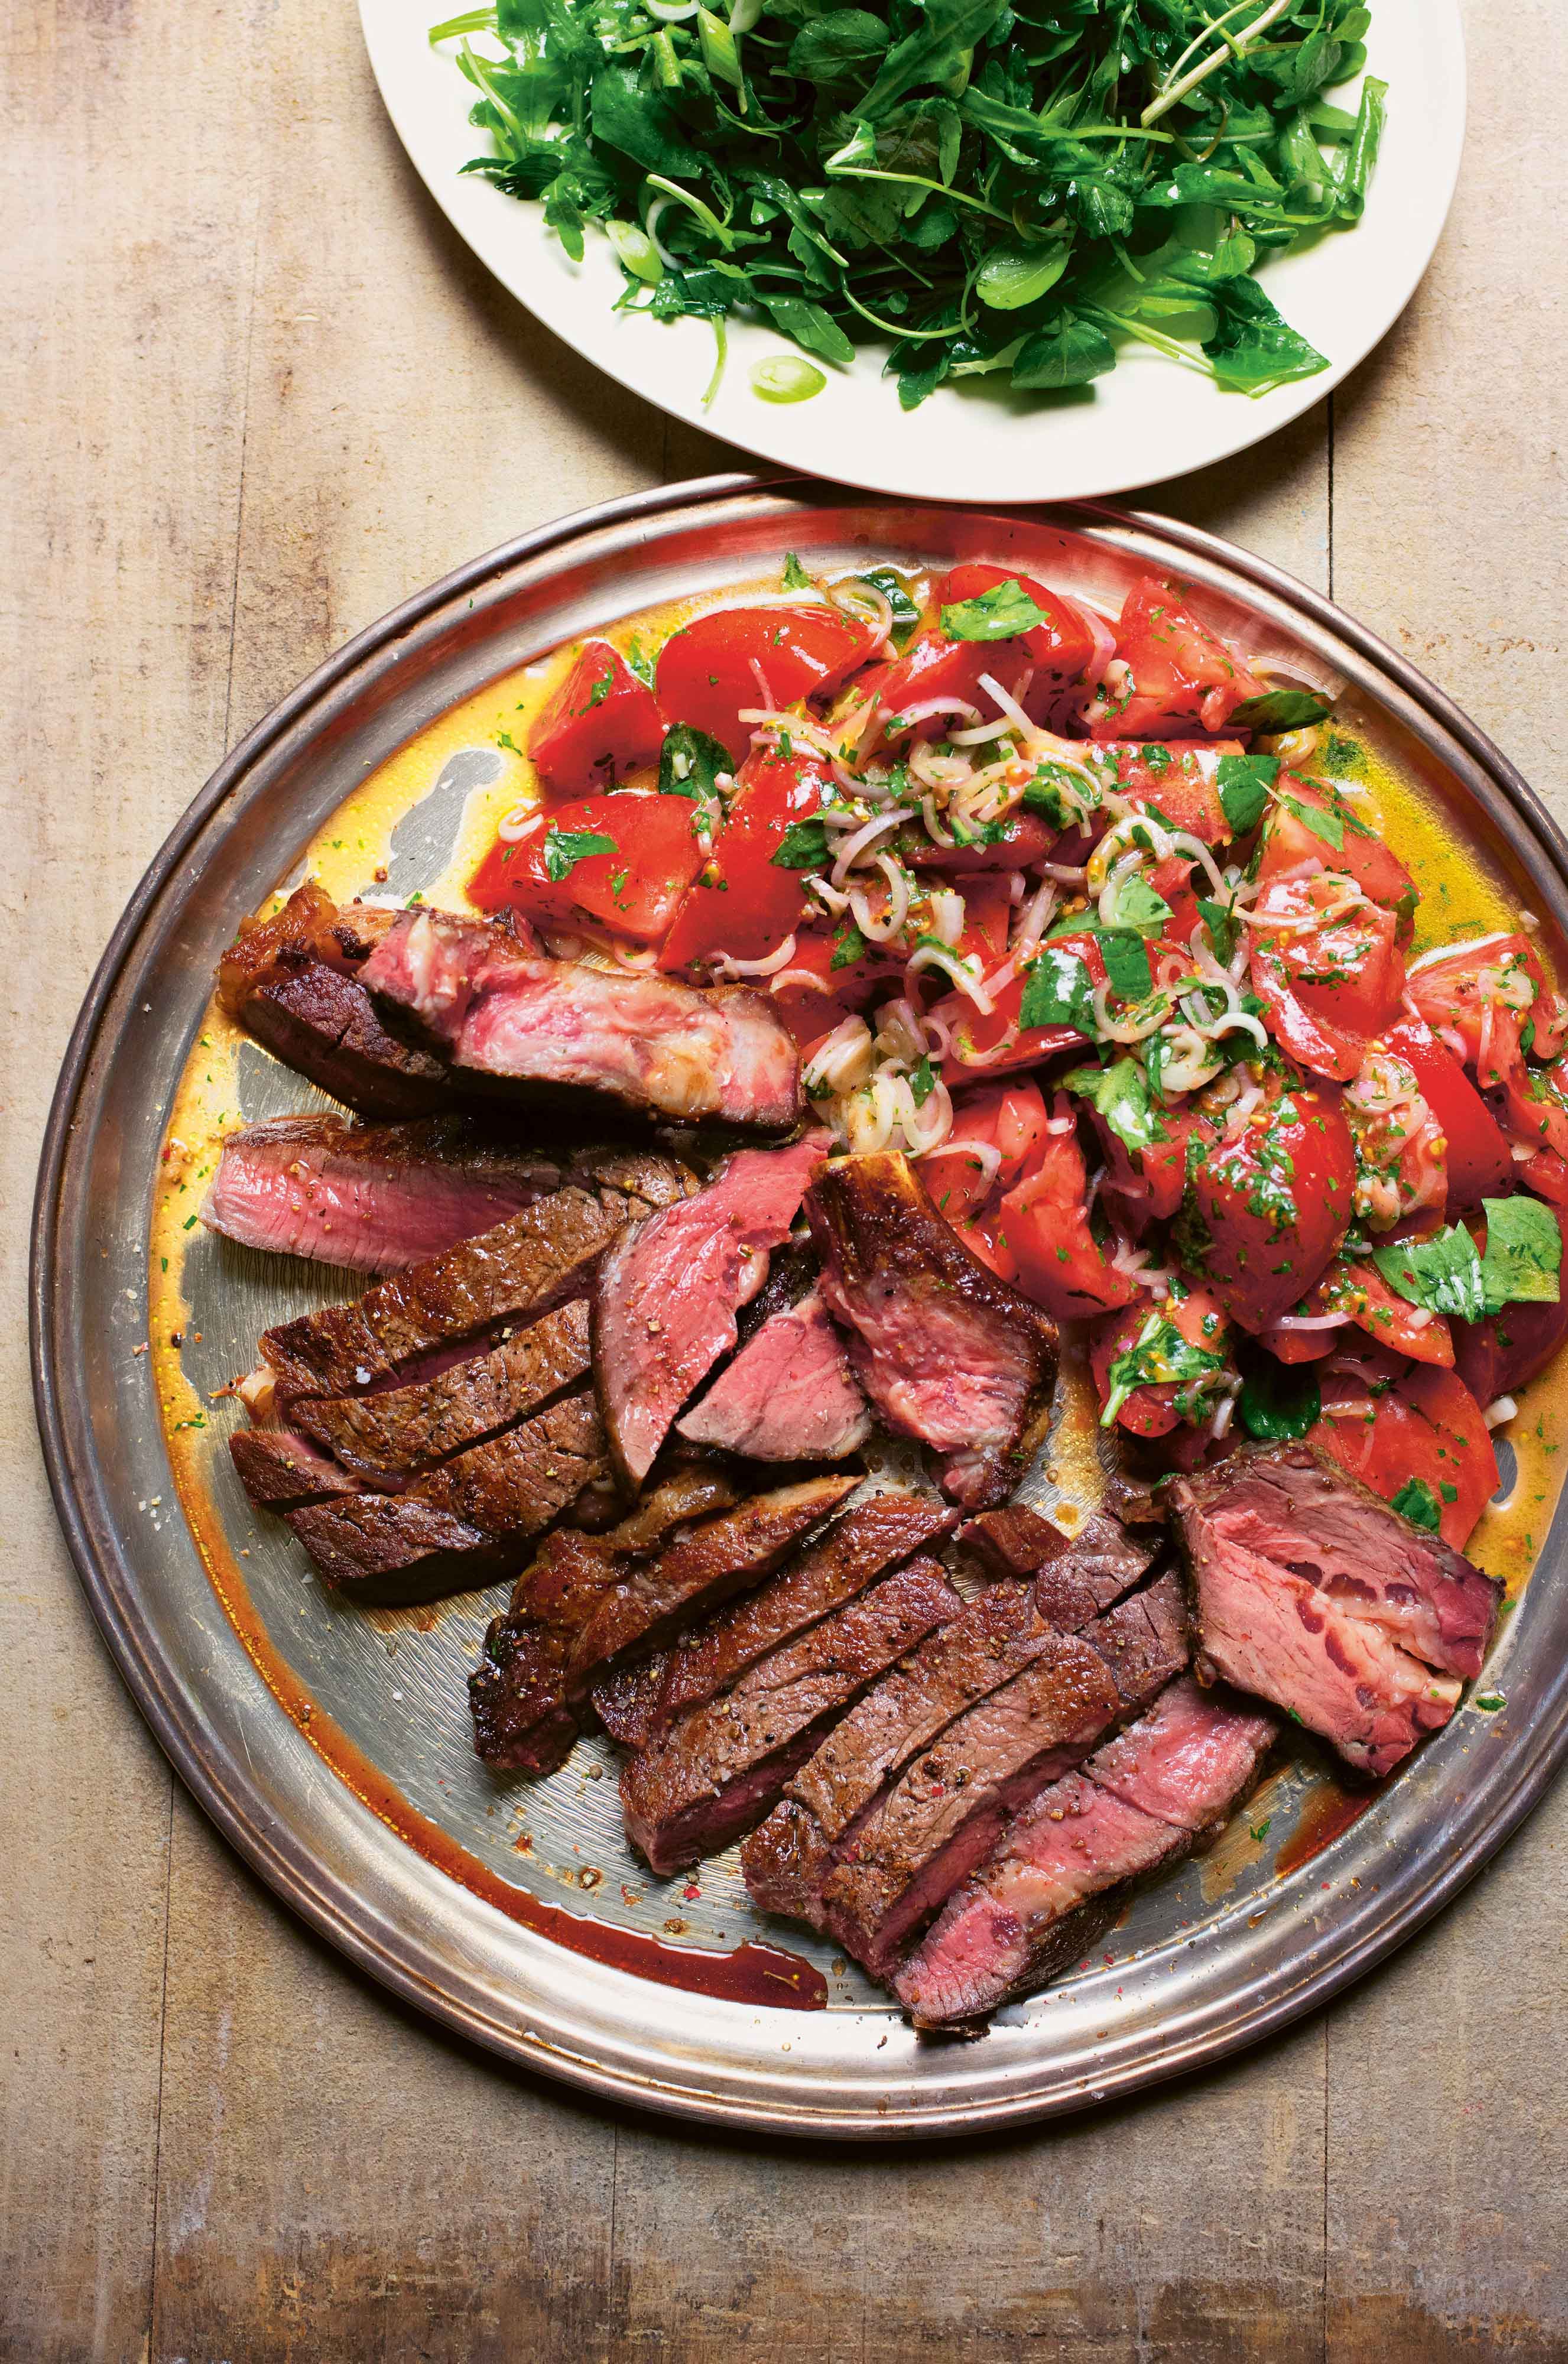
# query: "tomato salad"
1092 919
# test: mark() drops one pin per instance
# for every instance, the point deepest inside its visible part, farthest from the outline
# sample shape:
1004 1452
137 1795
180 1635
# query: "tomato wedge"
1477 1156
621 862
768 657
1274 1202
1179 778
1466 1462
1327 989
1155 1408
599 724
1478 999
1044 1225
996 1133
977 1038
1182 677
1292 847
1354 1285
742 901
1061 646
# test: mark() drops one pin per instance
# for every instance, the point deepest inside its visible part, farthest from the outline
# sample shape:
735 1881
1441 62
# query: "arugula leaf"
1058 991
1120 1094
1279 709
1244 784
1071 353
1443 1274
1415 1502
999 614
933 52
804 846
565 848
1278 1400
1523 1263
810 326
690 763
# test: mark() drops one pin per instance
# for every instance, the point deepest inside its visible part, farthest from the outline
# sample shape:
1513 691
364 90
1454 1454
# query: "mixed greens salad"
998 189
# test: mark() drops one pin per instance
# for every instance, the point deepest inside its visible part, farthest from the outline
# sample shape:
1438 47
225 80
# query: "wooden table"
257 391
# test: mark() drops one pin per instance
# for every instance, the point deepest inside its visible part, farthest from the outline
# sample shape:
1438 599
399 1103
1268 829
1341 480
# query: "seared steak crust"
281 1472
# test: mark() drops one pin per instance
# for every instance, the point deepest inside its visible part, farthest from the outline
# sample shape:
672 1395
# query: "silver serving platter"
396 1860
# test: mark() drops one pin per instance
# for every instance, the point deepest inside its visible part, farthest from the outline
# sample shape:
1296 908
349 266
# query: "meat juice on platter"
845 1014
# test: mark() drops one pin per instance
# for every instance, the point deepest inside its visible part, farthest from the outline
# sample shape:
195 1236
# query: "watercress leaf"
1070 352
1120 1094
1415 1502
1279 709
565 848
1360 154
1252 347
1441 1274
999 614
1244 783
932 53
1059 992
1012 276
1523 1263
843 46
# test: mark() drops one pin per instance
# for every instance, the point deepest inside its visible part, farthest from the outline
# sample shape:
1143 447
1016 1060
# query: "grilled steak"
290 981
583 1601
1314 1592
281 1472
1054 1882
395 1432
370 1197
789 1395
724 1764
996 1637
945 1812
466 1523
945 1351
1075 1575
639 1704
560 1030
539 1257
667 1294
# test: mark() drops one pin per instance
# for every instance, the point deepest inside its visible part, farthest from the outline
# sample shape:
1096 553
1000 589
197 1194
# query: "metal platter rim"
222 1781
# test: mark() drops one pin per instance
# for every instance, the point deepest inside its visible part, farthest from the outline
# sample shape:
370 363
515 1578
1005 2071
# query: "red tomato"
1356 1286
1427 1426
1479 997
1184 678
1328 989
1534 1104
1497 1356
970 1032
601 722
1479 1164
630 884
1006 1118
1025 840
742 902
987 917
1290 848
740 657
1298 1345
1547 1175
1145 1184
1277 1201
1181 776
812 1011
1153 1411
1044 1224
1467 1464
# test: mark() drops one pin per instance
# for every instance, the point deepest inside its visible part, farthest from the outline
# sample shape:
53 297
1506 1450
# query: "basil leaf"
796 577
922 1083
1244 784
690 763
1443 1274
1279 709
1279 1400
1160 1356
849 948
1523 1263
804 846
1328 825
1222 925
906 613
1138 906
565 848
1415 1502
999 614
1127 970
1120 1094
1059 992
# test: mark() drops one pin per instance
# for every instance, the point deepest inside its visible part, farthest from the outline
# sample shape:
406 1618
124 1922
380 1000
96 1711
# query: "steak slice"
1054 1884
539 1257
945 1812
724 1764
667 1294
536 1028
395 1432
1076 1576
281 1472
370 1197
789 1395
639 1704
290 981
1317 1594
945 1351
466 1523
583 1600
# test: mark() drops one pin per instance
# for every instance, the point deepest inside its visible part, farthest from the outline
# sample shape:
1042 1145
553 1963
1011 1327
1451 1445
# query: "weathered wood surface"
253 391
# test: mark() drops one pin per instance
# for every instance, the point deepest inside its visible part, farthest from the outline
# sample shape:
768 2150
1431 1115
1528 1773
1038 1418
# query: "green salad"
1012 191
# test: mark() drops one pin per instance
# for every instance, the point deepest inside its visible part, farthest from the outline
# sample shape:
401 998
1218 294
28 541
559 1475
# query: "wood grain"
255 392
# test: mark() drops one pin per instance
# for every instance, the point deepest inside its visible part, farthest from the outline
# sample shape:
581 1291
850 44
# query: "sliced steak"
1314 1592
370 1197
626 1588
667 1294
539 1257
785 1862
789 1395
467 1521
396 1432
945 1351
281 1472
1054 1884
724 1764
945 1812
639 1704
290 981
1076 1574
534 1028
